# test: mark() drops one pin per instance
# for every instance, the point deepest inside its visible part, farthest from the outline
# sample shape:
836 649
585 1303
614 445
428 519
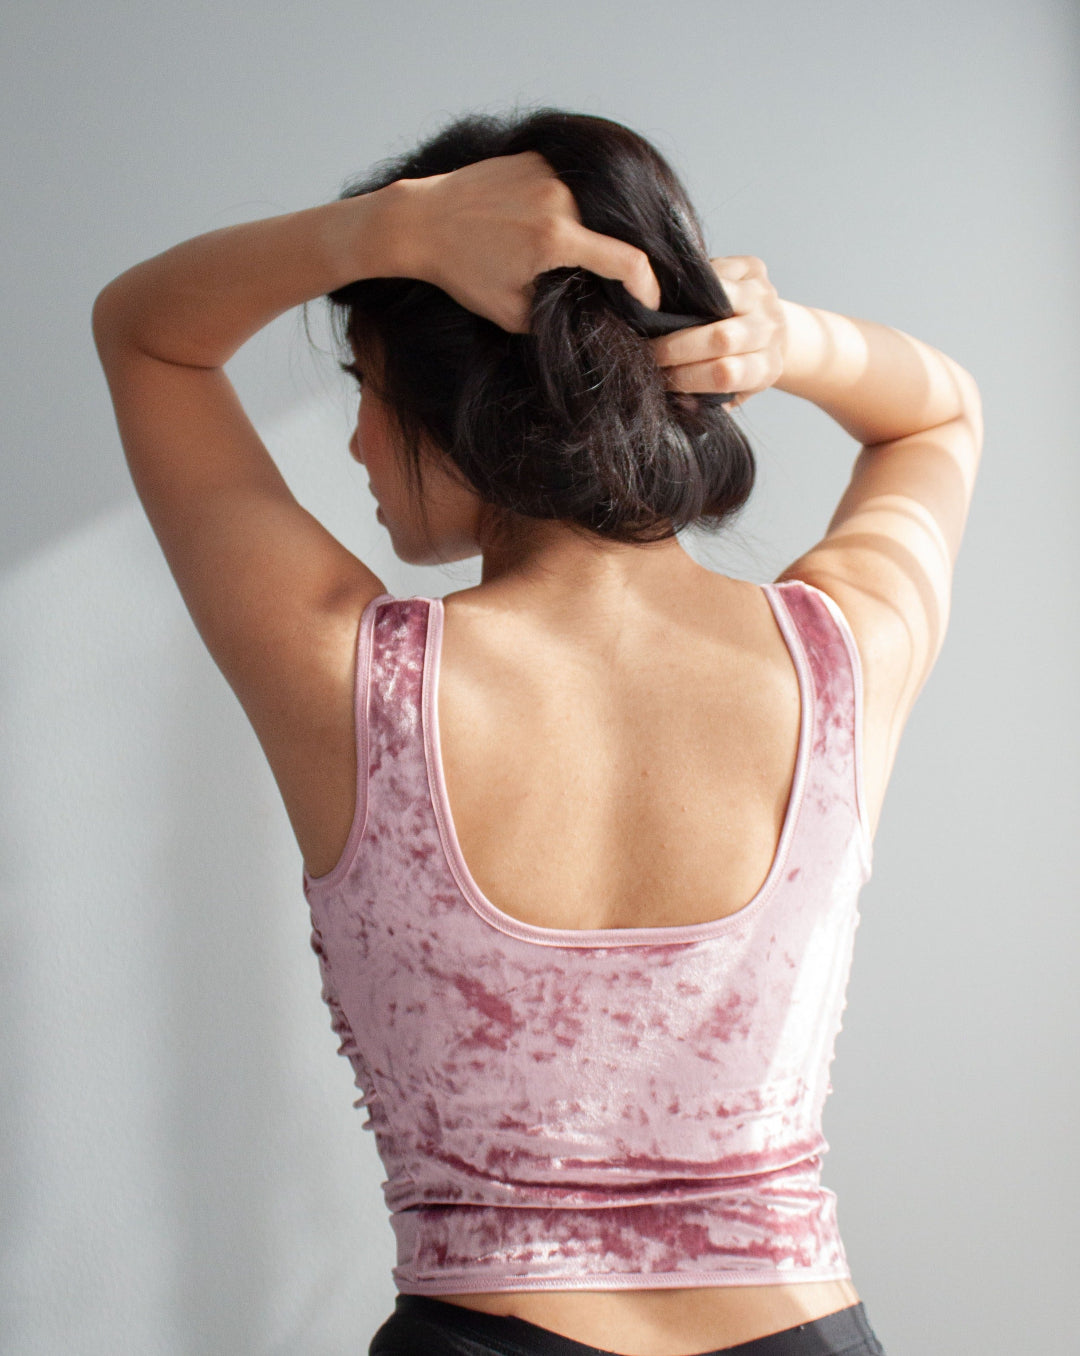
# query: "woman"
591 1008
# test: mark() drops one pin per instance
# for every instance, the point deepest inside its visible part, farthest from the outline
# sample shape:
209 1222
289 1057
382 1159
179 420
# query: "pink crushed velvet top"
604 1109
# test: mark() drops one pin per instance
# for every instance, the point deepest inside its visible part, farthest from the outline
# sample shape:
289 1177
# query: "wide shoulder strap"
396 680
835 670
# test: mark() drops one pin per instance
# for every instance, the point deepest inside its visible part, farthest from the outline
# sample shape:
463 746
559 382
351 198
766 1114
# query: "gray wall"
183 1168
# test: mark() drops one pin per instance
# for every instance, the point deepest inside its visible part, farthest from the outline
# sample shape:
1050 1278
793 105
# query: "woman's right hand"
484 232
744 353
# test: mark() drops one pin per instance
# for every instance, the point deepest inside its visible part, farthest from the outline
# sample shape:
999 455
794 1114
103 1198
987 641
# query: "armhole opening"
361 735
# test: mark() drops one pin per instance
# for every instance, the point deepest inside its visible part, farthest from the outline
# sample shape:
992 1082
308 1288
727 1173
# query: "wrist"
803 348
380 234
878 383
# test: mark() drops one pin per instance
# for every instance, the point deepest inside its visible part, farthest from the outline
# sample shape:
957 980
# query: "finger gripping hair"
572 420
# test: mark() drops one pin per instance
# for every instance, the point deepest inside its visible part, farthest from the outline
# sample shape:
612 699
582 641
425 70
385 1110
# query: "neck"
554 560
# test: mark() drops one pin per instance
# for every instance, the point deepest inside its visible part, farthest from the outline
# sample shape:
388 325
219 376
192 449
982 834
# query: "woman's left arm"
482 233
269 589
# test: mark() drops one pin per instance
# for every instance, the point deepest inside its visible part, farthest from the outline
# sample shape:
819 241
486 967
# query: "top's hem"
449 1284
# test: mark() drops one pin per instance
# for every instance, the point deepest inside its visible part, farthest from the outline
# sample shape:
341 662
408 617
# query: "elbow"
969 399
968 390
108 319
103 312
972 411
102 319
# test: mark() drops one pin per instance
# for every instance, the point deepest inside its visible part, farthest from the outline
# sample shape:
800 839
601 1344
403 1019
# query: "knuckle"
553 194
549 237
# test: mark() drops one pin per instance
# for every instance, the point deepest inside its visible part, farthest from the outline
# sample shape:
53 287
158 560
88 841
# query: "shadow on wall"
186 1171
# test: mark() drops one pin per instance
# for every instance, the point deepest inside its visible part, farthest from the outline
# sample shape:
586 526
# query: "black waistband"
844 1331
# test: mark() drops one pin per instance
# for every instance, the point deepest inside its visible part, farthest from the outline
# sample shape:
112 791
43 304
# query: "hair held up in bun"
573 420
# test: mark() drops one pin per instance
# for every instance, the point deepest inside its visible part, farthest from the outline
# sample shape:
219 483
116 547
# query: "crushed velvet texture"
592 1110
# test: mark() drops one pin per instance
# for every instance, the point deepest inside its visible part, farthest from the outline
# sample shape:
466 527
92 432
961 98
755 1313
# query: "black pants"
424 1326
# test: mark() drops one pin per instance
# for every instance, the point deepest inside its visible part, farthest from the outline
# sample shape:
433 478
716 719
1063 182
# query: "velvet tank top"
604 1109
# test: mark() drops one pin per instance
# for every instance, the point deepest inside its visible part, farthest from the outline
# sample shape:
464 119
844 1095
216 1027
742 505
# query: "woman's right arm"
888 553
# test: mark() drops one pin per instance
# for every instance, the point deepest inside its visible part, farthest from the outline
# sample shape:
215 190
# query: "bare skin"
631 651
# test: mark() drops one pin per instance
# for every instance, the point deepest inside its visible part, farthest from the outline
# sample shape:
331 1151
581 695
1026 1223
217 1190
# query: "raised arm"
273 594
887 555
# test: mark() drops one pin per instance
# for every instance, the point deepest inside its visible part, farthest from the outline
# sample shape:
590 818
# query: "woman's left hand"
745 352
482 233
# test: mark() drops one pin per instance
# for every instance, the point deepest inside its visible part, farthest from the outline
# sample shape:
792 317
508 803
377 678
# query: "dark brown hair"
572 421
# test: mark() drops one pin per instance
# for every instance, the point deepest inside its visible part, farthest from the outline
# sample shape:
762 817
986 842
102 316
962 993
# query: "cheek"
374 448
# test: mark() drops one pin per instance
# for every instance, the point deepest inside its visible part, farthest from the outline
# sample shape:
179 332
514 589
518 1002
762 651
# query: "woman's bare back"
633 772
